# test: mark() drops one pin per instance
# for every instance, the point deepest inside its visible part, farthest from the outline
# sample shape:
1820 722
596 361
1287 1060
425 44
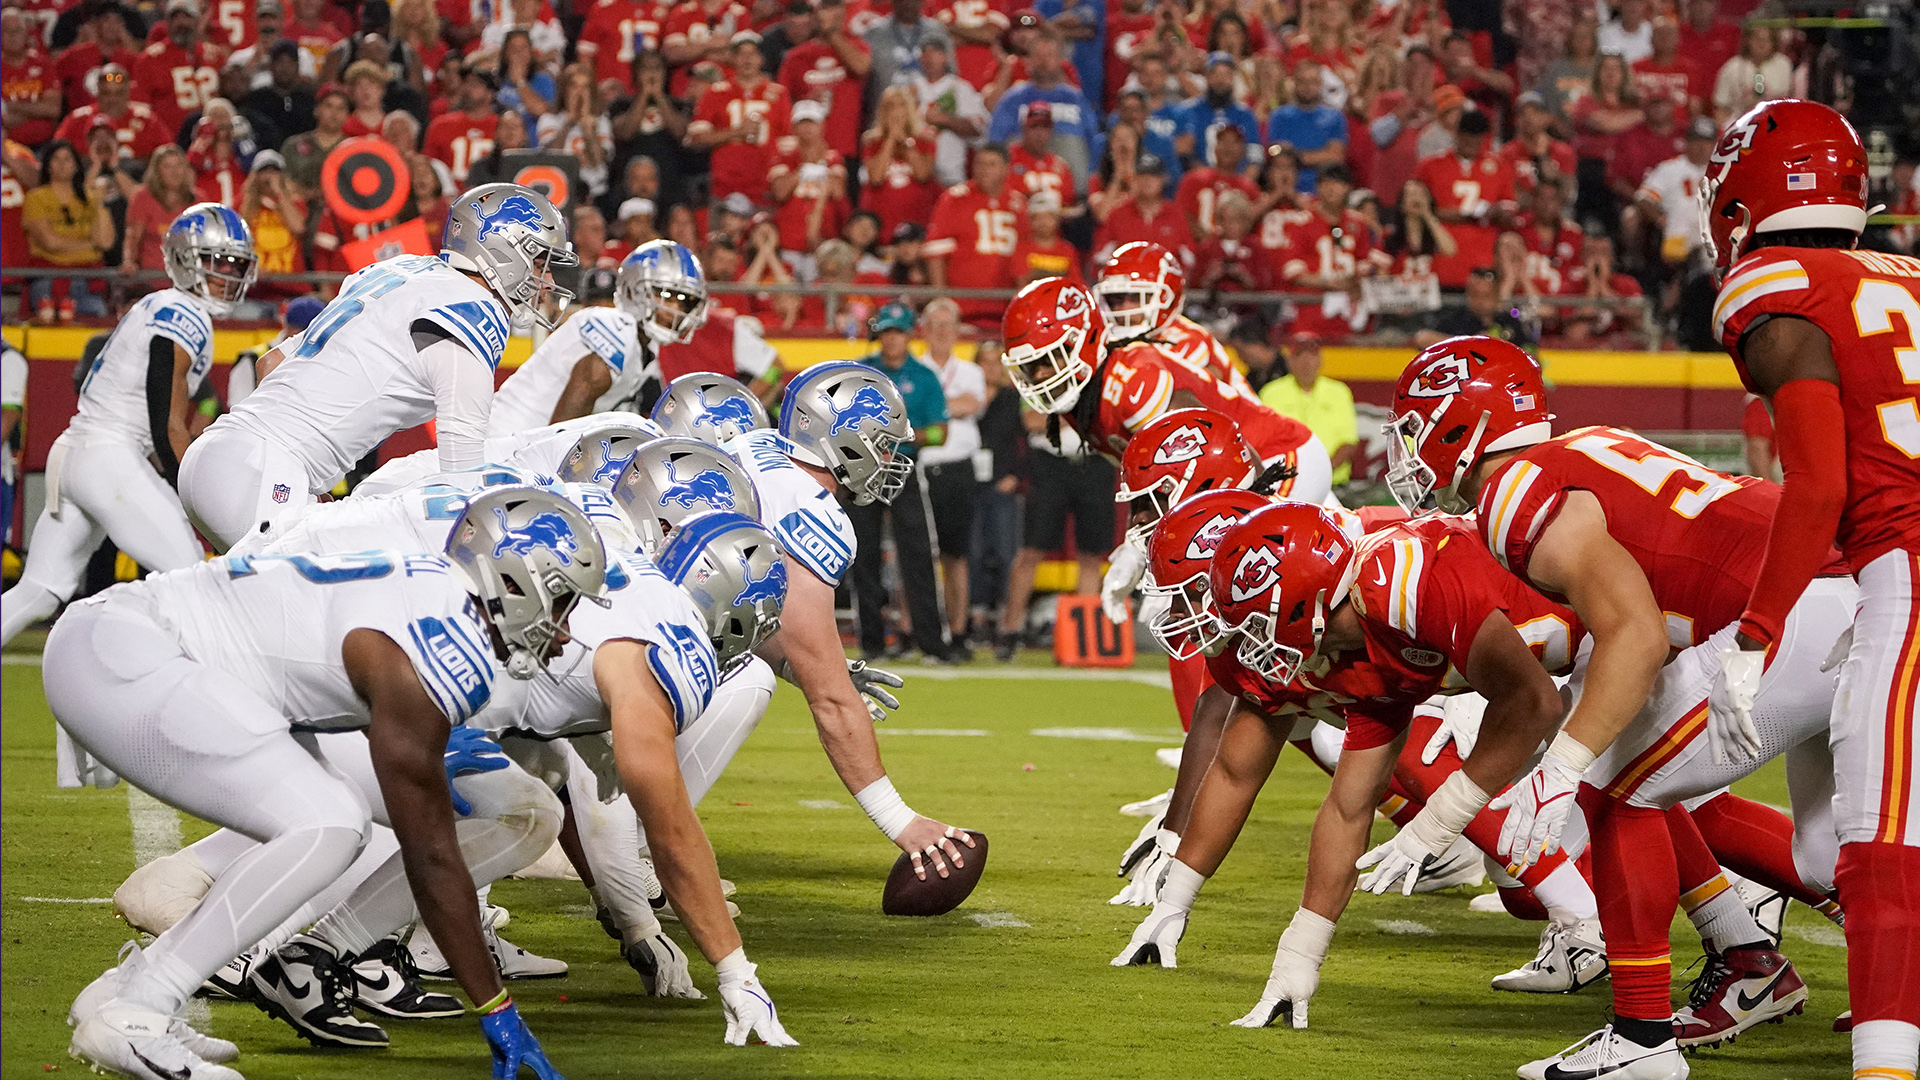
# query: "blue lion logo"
771 586
513 210
867 404
730 409
709 486
610 466
545 530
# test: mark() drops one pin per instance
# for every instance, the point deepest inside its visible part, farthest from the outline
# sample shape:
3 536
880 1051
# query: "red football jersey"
1697 534
742 166
457 140
615 31
1276 229
219 183
1549 259
813 70
1519 157
894 194
1675 80
26 81
1138 380
1126 36
977 233
1200 189
1466 186
1195 346
973 61
1043 172
139 134
174 82
689 21
791 215
1869 306
14 250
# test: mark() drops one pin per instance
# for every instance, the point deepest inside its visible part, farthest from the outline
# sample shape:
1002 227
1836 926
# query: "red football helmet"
1182 453
1458 400
1179 552
1278 572
1140 288
1784 165
1052 336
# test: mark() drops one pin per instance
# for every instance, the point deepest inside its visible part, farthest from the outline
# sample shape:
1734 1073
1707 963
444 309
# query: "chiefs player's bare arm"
1523 705
1210 715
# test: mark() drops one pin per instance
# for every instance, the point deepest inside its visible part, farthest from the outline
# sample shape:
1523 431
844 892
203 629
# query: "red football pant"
1756 842
1880 887
1418 782
1636 879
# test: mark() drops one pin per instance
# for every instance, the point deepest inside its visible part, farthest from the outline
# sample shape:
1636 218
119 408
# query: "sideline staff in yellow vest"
1324 405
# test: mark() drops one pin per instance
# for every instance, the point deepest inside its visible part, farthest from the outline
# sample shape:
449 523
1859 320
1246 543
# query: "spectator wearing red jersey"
509 134
1202 188
165 190
832 69
1552 242
179 73
1596 277
1599 119
898 156
218 172
1281 207
19 172
1490 90
307 151
976 27
29 88
1231 260
1641 147
579 127
1147 214
1666 72
1034 167
616 31
103 40
1129 31
461 137
133 123
1398 120
975 228
1708 42
1533 152
809 184
698 30
739 120
1199 25
1472 192
1042 252
312 29
366 83
1331 252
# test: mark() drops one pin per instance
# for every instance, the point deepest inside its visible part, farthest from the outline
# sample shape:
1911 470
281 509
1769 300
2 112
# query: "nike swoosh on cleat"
168 1074
1748 1004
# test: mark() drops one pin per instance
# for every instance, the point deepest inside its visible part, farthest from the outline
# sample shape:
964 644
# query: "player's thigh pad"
234 482
1873 710
111 482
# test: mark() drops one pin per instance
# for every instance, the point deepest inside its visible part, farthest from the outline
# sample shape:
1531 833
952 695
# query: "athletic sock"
1880 1045
1756 842
1643 1032
1563 889
1709 899
1638 888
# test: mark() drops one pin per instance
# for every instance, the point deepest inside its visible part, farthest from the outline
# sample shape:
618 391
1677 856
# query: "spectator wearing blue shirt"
926 401
1075 123
1083 24
1211 110
1315 131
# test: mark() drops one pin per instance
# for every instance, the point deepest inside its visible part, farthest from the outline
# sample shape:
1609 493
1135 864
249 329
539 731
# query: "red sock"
1756 842
1880 886
1522 904
1637 883
1692 858
1190 680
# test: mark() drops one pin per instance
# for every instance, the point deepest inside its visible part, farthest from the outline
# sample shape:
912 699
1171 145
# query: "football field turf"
1013 984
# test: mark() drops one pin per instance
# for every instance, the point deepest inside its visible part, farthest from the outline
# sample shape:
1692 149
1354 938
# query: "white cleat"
107 987
515 962
1168 756
1458 865
1149 807
162 892
130 1041
1606 1056
1487 904
1572 955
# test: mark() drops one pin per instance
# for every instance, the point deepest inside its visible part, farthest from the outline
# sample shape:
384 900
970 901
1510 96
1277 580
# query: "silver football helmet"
662 285
848 419
671 480
602 451
708 407
514 239
529 555
731 566
209 256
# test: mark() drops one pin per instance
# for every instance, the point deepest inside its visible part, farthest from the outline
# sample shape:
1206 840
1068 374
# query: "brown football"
908 895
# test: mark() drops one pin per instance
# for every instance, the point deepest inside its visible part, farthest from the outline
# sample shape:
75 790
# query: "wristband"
1309 934
735 961
889 811
1571 751
500 1002
1181 886
1452 805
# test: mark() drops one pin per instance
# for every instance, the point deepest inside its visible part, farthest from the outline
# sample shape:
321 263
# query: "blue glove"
469 751
513 1046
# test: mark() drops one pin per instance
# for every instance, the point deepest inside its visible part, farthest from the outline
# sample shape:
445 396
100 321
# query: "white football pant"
234 483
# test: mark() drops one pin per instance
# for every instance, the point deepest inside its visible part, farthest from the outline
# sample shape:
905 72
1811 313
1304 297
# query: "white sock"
1565 889
1723 919
1885 1050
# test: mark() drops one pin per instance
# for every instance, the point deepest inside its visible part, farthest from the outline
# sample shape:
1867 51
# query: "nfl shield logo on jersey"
281 493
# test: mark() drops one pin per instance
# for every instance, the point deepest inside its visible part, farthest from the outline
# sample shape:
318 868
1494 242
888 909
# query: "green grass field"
1014 984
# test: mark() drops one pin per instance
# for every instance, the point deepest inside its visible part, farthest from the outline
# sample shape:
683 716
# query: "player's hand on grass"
1399 861
749 1008
514 1046
1156 940
932 845
1150 872
1537 806
1296 973
872 684
1730 728
662 967
1142 845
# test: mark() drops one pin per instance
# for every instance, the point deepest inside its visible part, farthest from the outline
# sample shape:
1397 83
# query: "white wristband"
1309 934
889 811
1181 886
734 961
1452 806
1572 751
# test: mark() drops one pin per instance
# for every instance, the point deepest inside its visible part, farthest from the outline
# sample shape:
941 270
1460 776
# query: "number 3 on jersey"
1874 306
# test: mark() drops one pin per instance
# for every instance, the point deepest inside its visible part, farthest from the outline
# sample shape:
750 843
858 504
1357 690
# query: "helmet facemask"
1189 627
1412 480
872 466
670 314
1263 654
1066 376
528 295
1133 309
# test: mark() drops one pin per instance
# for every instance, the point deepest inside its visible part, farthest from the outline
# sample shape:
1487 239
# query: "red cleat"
1736 991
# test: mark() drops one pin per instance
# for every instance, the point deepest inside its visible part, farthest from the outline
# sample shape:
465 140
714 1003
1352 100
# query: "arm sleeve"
160 403
1810 431
463 402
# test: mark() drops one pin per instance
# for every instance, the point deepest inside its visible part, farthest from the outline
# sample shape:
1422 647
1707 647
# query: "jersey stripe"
1404 590
1156 404
1763 280
1507 497
672 686
480 325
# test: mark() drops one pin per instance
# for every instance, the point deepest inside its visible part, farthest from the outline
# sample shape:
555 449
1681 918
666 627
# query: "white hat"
809 109
635 207
1043 202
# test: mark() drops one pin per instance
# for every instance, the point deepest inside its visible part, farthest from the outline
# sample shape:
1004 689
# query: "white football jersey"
526 400
809 522
537 453
353 377
114 396
642 606
419 518
276 623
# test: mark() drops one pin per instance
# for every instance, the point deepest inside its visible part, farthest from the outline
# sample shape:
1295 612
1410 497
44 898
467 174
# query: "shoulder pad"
479 324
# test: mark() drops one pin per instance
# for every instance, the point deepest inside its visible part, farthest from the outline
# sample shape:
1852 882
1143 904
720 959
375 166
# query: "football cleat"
1843 1024
1149 807
515 962
131 1041
230 982
162 892
386 982
1458 865
104 989
1768 907
1573 954
1736 991
1604 1055
306 985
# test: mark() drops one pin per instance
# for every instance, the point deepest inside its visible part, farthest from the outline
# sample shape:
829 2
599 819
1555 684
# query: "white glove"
871 683
1149 873
1838 654
1153 607
1459 724
1156 939
748 1007
1142 845
1296 973
662 966
1426 838
1730 727
1537 806
1399 859
1125 567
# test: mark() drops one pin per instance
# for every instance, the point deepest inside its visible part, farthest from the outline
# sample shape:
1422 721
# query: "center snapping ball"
906 894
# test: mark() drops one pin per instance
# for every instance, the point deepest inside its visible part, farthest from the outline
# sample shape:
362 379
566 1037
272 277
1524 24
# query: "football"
906 894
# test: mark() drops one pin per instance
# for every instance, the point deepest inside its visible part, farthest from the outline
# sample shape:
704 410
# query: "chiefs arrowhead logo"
1259 570
1206 539
1737 140
1440 378
1184 444
1072 305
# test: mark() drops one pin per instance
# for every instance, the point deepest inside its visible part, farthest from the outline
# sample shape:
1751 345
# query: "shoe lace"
401 958
336 978
1550 939
1705 986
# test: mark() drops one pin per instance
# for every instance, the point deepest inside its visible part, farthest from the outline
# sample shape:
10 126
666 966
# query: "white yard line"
14 659
995 920
1158 679
1405 928
1108 734
975 733
65 899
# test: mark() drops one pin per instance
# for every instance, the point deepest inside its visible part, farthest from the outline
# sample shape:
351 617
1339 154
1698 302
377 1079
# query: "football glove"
871 684
1296 973
749 1008
662 966
1401 859
1156 939
1149 872
514 1046
1459 724
1426 838
1838 654
469 751
1537 806
1125 567
1142 845
1730 728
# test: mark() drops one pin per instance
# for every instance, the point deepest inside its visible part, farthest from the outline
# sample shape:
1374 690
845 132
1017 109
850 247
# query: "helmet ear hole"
1454 434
